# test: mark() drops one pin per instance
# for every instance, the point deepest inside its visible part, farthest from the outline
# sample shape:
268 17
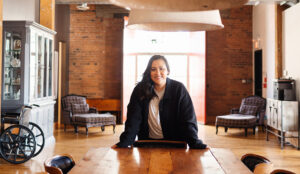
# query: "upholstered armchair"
78 113
250 114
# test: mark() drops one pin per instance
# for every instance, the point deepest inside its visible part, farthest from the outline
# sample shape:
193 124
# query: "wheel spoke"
15 156
10 152
6 144
38 137
10 136
25 156
19 132
28 145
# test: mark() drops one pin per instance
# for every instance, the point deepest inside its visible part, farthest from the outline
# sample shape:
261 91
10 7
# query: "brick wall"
228 61
95 54
95 58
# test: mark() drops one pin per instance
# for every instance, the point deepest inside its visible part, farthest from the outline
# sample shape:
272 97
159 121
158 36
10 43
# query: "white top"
155 131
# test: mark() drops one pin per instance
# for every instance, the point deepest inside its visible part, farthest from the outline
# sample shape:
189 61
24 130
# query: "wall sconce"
256 43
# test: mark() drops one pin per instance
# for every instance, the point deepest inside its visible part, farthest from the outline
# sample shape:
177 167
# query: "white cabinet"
27 65
27 71
282 116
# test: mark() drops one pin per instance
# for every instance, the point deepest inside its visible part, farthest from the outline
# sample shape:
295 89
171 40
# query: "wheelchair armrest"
10 115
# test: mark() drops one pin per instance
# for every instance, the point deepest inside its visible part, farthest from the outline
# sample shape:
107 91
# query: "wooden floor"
78 144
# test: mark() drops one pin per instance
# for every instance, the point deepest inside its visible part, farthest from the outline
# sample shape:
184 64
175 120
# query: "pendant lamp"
174 21
179 5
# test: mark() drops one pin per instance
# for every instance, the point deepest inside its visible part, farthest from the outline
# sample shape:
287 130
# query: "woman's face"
159 72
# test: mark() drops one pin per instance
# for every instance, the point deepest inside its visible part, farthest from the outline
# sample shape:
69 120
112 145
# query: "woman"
160 108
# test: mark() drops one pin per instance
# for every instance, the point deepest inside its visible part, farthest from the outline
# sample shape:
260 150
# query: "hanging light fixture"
179 5
175 21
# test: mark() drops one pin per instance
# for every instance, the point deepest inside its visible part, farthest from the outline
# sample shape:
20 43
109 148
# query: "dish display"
15 62
17 44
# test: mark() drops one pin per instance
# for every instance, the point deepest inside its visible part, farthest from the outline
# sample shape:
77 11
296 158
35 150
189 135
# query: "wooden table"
159 160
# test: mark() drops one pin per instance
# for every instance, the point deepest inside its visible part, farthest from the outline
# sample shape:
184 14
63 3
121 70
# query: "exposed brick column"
95 54
228 61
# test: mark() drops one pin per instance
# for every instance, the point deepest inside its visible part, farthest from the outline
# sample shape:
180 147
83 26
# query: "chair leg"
65 127
263 128
226 128
254 130
246 131
217 130
75 129
114 126
86 130
102 128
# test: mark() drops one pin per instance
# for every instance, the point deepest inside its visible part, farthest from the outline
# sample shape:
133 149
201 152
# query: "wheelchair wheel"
17 144
39 137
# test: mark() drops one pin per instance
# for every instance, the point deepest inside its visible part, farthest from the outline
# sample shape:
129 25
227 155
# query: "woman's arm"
133 122
189 122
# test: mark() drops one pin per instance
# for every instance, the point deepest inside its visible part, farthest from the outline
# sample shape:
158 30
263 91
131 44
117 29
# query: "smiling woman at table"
160 108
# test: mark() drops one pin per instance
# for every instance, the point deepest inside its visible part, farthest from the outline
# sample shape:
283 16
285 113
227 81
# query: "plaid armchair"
250 114
77 112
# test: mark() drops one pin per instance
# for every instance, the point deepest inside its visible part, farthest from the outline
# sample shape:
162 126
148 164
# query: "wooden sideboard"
107 105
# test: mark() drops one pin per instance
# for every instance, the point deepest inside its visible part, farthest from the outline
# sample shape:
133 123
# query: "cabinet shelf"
16 50
12 67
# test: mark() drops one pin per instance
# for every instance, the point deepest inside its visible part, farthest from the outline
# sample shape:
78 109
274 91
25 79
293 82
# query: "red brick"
228 61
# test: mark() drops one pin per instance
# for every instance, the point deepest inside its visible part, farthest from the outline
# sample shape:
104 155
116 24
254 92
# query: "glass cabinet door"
41 66
49 69
12 66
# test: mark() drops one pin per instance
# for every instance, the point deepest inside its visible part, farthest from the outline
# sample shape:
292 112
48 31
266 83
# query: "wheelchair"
23 139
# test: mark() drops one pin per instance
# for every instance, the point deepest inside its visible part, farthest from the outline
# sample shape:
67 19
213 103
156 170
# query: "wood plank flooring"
78 144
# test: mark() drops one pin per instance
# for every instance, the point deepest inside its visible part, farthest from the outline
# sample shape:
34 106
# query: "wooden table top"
159 160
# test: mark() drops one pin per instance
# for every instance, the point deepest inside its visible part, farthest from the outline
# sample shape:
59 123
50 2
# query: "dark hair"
146 90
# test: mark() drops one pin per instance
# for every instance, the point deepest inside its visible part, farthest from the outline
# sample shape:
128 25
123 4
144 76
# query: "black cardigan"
177 116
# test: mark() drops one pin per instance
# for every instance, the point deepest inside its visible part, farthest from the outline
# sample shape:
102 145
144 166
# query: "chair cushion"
68 100
248 110
236 120
255 101
80 108
93 118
